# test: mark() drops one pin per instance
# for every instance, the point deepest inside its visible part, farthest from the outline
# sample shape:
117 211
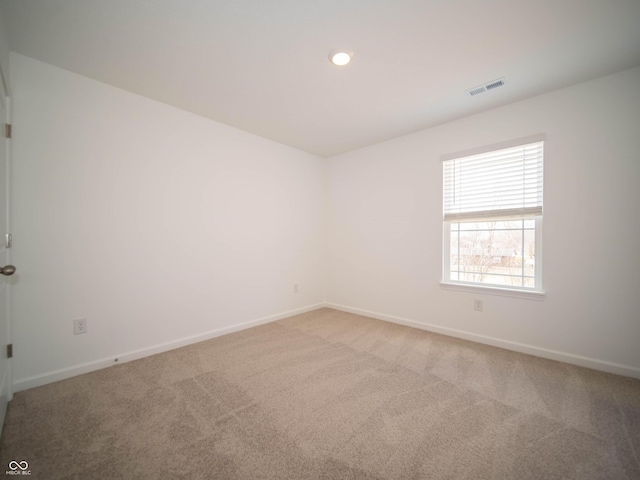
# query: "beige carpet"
330 395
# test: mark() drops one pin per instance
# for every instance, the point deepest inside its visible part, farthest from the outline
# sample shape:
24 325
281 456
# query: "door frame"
6 378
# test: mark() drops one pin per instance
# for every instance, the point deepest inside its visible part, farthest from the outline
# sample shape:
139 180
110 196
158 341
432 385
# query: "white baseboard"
581 361
56 375
61 374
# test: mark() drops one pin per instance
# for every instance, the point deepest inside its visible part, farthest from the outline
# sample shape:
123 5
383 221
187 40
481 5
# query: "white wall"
154 224
163 228
385 228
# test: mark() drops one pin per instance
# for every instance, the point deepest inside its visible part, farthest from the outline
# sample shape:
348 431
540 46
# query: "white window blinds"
497 184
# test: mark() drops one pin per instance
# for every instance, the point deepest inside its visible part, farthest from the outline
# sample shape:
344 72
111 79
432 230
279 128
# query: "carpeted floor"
330 395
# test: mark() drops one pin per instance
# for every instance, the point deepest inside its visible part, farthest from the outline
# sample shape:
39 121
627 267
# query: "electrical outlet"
478 305
296 288
80 326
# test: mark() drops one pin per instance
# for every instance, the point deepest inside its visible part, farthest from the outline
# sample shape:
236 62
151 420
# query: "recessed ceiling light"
340 58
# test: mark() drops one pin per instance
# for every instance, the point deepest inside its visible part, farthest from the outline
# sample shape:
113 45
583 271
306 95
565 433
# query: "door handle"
8 270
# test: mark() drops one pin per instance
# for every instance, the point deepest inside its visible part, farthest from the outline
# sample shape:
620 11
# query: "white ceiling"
262 65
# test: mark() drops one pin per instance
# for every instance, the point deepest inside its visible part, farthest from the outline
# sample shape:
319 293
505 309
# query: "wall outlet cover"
80 326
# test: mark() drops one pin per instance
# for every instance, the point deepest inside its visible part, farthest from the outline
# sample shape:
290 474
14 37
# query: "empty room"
293 239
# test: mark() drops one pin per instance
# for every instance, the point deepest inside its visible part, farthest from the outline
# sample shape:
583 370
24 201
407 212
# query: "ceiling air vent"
487 86
476 91
495 84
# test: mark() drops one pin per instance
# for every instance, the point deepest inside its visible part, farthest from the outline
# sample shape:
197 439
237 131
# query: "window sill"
506 292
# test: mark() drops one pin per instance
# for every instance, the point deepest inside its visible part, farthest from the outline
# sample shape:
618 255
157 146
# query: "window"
493 216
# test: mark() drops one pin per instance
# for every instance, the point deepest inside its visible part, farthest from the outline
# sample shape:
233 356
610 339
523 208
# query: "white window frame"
535 292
